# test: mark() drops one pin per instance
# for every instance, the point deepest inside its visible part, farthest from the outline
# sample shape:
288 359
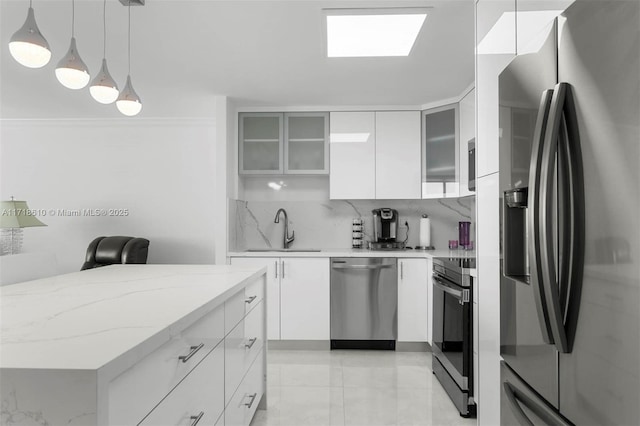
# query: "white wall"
161 170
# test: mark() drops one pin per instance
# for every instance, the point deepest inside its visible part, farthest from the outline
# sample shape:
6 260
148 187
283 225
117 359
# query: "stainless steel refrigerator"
570 185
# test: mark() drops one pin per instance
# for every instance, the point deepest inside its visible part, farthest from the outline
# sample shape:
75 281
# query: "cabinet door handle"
251 343
196 419
276 268
401 270
282 269
252 398
250 299
194 349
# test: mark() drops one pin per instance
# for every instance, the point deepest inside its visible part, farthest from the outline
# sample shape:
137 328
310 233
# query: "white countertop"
85 320
341 252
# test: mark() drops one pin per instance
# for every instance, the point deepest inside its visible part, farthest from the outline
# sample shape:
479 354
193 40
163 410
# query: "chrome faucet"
286 239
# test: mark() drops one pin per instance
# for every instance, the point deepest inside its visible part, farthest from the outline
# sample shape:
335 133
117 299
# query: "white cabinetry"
283 143
440 152
375 155
199 396
297 296
414 309
304 299
496 37
273 290
397 155
467 133
352 155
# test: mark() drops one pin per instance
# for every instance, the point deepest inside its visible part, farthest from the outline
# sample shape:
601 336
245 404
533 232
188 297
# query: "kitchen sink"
290 250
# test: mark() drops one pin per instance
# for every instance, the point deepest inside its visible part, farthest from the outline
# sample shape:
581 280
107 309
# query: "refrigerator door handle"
561 136
533 215
522 418
515 397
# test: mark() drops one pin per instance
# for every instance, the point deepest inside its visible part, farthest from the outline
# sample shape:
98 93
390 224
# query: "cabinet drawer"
241 349
254 293
200 394
154 376
242 303
243 404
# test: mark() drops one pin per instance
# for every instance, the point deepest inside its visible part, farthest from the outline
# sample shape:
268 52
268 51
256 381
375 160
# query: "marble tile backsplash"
327 224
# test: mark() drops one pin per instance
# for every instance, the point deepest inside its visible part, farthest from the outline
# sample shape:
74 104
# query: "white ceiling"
259 52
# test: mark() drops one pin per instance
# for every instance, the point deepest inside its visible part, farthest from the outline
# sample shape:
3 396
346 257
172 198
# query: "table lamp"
15 215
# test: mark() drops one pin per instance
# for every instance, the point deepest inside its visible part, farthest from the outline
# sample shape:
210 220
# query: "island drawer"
242 346
198 396
240 410
241 303
135 392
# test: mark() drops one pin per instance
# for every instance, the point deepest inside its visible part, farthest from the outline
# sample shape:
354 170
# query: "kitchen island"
134 344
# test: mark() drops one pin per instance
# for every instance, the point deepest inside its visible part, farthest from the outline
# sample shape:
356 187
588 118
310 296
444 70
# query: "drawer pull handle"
251 343
194 349
196 419
250 299
253 398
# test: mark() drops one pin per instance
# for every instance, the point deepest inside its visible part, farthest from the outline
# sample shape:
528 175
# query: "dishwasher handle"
379 266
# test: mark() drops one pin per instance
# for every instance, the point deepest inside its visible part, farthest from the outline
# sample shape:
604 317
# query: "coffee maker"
385 228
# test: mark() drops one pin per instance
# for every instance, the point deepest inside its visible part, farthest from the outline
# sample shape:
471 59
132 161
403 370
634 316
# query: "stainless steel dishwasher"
364 303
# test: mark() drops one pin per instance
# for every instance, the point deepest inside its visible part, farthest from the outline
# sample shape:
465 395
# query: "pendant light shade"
28 46
104 88
129 102
71 70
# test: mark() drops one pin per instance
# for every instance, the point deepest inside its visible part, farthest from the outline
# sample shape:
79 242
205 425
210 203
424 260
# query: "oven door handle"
461 295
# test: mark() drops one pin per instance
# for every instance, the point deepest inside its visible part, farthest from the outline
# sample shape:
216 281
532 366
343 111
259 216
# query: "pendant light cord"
129 48
73 18
104 29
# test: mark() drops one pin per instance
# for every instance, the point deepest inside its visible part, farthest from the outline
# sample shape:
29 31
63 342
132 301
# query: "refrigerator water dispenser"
515 237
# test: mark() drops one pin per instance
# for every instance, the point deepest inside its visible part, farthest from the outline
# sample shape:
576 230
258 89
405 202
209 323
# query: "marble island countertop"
348 252
85 320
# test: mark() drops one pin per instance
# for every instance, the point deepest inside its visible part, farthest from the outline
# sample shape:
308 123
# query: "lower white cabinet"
241 346
200 396
244 402
297 296
304 299
414 309
273 289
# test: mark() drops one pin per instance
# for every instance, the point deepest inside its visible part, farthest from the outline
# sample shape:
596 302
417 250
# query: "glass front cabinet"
440 152
284 143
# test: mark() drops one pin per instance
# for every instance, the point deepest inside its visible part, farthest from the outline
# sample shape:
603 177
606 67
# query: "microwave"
472 164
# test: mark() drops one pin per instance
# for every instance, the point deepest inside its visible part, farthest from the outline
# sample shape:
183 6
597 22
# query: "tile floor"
354 388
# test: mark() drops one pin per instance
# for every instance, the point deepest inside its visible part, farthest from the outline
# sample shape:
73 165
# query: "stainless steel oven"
453 330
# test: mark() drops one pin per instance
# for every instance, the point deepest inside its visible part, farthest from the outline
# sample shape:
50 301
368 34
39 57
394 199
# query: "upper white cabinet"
496 37
261 143
306 150
283 143
397 155
414 309
467 134
440 152
375 155
353 155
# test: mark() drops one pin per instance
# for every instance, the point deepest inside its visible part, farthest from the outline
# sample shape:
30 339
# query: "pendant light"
129 102
28 46
71 71
103 88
